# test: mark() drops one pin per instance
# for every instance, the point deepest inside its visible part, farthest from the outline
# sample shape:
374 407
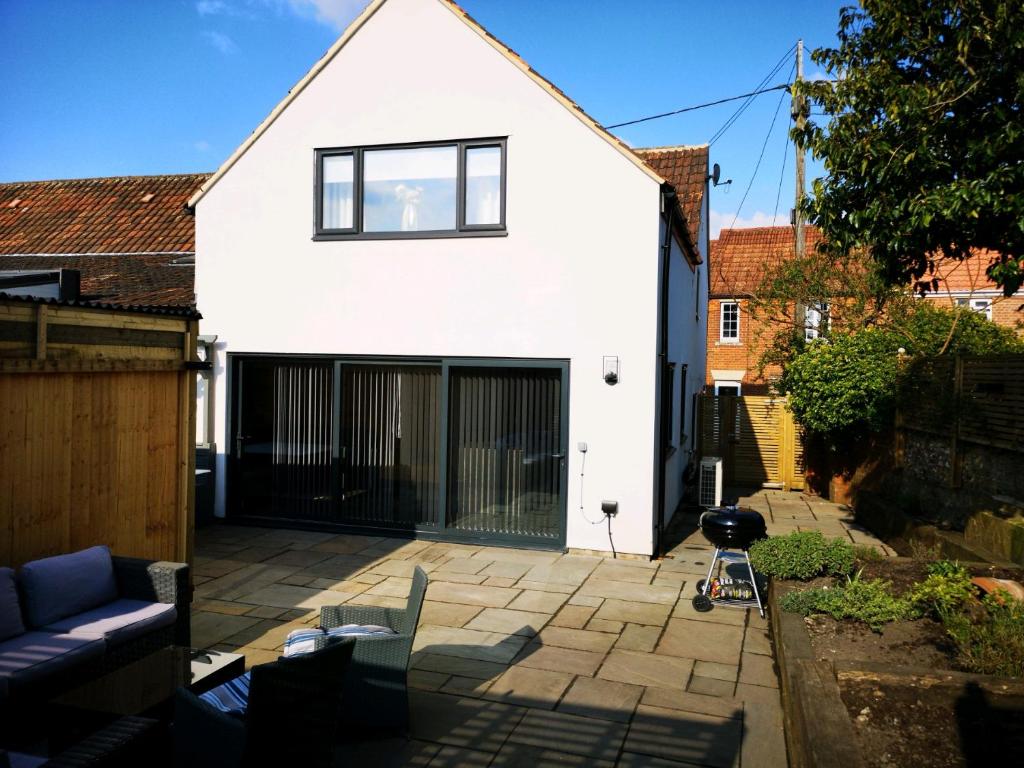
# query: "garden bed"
894 697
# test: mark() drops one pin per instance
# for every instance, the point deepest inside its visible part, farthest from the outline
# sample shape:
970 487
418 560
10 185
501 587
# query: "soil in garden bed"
917 723
920 643
933 727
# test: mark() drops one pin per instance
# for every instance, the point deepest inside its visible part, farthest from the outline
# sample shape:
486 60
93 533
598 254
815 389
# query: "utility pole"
799 119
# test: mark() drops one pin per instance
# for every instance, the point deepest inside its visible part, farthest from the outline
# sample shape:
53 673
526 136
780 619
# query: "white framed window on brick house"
729 322
815 320
981 306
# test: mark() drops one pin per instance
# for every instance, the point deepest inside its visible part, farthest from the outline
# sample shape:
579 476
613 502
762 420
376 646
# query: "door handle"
557 455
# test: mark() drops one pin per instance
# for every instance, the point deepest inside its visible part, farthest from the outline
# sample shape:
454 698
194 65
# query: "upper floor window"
443 189
729 329
981 306
815 320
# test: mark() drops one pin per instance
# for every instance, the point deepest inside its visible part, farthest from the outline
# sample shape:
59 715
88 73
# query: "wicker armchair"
376 694
291 719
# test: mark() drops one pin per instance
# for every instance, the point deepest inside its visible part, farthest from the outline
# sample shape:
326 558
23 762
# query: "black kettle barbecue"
730 527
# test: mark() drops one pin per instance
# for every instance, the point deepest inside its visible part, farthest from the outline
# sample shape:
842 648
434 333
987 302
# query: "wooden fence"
97 424
966 399
757 439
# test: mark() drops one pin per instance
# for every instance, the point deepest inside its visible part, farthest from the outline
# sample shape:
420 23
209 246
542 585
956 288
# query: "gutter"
668 202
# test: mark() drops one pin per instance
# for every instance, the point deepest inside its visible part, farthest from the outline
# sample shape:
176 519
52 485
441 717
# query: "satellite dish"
716 174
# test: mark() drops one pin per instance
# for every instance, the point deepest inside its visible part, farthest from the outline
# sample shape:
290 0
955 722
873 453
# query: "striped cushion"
304 640
231 697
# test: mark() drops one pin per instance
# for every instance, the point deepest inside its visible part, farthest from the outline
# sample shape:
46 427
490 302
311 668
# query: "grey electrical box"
610 508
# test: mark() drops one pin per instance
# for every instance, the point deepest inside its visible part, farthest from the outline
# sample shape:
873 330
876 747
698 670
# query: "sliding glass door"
390 445
283 436
465 449
505 451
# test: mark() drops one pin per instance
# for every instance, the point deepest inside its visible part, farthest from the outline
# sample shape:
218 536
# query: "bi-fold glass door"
466 449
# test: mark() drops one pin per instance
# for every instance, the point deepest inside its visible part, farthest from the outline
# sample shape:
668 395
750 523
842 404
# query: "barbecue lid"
734 518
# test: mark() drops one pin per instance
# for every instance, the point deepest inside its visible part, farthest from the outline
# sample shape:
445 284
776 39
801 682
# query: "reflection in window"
815 320
483 186
409 190
338 174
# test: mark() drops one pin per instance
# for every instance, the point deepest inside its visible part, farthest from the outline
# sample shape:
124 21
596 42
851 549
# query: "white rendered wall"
687 320
576 277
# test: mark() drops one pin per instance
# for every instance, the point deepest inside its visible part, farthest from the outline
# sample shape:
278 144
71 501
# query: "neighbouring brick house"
737 338
129 238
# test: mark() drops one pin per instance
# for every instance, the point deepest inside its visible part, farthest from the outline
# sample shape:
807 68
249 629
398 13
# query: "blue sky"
123 87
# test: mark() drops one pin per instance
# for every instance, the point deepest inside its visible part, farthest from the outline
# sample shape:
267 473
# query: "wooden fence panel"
756 437
96 432
89 459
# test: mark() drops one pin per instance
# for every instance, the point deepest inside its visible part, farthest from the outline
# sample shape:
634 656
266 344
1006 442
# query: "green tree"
850 384
923 140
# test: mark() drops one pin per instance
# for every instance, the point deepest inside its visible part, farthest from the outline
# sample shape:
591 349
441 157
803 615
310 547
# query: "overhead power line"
779 87
743 107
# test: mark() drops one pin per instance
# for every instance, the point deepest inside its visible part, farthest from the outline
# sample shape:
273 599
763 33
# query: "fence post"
955 458
787 455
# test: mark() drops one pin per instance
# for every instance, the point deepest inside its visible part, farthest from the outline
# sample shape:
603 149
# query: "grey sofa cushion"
34 655
11 623
60 586
118 621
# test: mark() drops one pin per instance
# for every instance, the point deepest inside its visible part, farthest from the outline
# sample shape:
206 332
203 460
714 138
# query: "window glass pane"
483 185
409 190
337 192
730 321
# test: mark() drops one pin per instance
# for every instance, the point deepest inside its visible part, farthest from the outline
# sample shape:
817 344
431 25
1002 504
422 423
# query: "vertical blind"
505 464
390 430
301 445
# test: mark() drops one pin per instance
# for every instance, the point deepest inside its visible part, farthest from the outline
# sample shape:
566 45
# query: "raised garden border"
819 731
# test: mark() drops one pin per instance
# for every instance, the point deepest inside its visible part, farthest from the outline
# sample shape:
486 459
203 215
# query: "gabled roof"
134 214
739 257
130 238
686 169
503 49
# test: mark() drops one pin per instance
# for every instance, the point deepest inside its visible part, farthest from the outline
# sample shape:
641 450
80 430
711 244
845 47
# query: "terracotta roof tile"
126 236
98 215
135 279
686 168
739 256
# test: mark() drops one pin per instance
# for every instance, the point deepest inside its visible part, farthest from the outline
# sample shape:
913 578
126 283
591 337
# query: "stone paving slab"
685 736
528 658
603 699
584 736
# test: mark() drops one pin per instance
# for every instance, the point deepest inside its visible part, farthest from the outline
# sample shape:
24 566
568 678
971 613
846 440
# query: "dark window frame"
355 232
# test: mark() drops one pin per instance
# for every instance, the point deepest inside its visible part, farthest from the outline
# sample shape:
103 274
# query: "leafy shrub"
851 383
802 555
946 589
865 553
992 644
871 602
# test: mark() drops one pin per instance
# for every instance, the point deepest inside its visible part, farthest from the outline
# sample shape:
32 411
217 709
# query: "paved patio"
529 658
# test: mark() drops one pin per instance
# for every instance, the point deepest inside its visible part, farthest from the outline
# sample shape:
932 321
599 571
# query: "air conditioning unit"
710 489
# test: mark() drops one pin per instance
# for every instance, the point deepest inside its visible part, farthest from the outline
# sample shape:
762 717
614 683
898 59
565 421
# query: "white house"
447 302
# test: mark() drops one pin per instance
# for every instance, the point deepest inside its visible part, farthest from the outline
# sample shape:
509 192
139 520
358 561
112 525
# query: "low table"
149 683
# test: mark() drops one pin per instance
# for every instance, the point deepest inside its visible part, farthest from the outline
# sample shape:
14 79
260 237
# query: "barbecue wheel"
702 603
700 587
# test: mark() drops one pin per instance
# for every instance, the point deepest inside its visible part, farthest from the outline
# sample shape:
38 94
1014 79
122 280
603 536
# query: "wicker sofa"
66 618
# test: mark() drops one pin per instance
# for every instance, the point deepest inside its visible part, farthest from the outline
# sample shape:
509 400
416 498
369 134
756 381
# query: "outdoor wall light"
611 370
